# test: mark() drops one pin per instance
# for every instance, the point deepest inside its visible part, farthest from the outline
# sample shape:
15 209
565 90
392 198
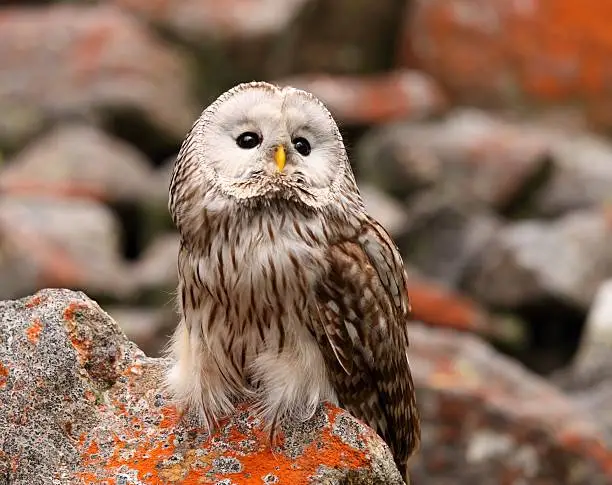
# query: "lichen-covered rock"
92 61
81 404
374 99
488 421
76 160
48 241
505 53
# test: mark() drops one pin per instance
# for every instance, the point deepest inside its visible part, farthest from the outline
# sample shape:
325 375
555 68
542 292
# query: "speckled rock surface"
489 421
81 405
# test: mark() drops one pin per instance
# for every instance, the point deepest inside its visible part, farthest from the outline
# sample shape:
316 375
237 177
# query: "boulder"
489 421
154 275
95 62
500 53
82 404
199 21
374 99
580 175
530 261
478 155
50 241
445 234
589 377
76 160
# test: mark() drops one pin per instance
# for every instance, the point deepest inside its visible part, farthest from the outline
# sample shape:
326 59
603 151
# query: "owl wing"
363 310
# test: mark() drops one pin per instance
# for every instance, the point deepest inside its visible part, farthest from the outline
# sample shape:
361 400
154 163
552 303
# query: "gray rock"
79 160
200 21
444 234
528 261
155 273
87 61
589 377
581 175
46 241
81 404
470 152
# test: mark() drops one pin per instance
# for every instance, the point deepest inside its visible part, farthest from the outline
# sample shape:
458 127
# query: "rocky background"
480 134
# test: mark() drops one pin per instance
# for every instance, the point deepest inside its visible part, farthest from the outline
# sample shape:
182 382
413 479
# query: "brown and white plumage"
289 293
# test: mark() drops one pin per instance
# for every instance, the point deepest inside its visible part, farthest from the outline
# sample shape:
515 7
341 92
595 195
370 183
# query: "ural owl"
290 294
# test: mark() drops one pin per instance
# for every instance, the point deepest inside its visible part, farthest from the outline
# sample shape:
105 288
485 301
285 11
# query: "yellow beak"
280 157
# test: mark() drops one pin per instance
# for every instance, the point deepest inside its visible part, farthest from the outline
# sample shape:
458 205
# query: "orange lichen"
82 345
33 331
4 373
35 301
550 50
437 306
597 449
151 456
64 190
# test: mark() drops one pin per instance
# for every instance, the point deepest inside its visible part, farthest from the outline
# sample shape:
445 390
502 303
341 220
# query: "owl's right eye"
248 140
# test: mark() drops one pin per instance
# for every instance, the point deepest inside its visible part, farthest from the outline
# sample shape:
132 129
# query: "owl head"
259 143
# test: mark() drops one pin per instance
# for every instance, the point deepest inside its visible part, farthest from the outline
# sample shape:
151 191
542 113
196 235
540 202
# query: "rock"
581 174
470 152
47 241
589 377
147 327
433 304
487 420
499 53
79 160
94 62
528 261
445 233
208 20
82 405
373 99
597 336
155 275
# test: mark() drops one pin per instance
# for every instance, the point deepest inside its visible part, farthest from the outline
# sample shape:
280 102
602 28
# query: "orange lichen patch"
34 330
35 301
375 98
4 373
435 305
550 50
158 458
80 190
596 448
82 345
57 268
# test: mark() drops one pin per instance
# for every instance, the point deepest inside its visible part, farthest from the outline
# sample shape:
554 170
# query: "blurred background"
479 131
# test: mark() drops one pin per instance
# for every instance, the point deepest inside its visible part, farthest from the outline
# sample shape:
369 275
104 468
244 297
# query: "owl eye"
248 140
302 146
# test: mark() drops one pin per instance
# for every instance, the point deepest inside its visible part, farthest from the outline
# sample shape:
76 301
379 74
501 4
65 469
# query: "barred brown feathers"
289 293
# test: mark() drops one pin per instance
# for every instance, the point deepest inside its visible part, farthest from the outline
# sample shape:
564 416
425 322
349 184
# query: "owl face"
260 141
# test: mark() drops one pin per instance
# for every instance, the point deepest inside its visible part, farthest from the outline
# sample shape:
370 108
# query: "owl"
289 293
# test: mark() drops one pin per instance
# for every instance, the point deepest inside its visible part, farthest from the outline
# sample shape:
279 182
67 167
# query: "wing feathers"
363 308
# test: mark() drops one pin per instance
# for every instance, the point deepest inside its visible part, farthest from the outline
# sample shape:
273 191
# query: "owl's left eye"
302 146
248 140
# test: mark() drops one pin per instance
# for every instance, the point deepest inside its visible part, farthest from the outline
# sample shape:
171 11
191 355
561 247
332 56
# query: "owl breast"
247 311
